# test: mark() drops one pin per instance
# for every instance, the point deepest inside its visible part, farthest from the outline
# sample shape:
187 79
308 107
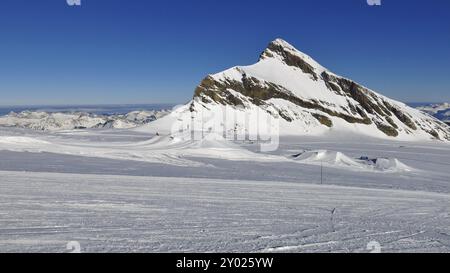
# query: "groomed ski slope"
124 191
42 212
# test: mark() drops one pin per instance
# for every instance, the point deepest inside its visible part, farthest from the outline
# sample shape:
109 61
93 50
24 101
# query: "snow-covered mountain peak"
283 51
306 98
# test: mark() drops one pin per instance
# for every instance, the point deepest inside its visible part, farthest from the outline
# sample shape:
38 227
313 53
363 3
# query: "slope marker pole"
321 172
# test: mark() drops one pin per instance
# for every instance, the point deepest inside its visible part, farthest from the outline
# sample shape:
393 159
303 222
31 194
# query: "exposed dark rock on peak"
288 54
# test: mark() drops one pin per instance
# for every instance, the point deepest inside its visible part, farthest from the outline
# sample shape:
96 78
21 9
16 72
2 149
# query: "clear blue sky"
142 51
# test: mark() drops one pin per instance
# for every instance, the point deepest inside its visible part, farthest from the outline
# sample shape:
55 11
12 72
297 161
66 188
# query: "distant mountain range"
438 110
49 121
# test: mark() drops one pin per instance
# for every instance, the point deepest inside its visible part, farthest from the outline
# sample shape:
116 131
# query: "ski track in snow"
222 202
43 211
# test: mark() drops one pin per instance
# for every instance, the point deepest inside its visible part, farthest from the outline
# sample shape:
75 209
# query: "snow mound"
391 164
340 160
328 157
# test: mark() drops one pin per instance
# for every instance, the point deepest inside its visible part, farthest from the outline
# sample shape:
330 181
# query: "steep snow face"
309 99
68 121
